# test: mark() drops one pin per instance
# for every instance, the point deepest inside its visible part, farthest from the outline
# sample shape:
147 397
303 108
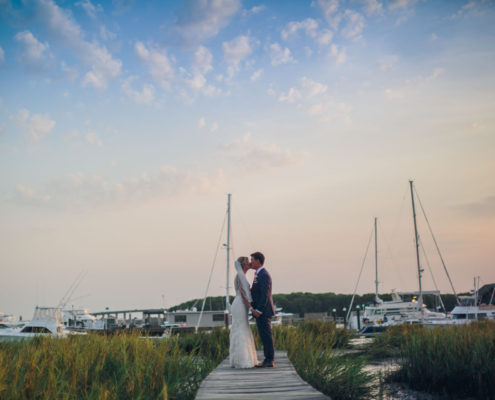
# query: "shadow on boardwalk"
281 382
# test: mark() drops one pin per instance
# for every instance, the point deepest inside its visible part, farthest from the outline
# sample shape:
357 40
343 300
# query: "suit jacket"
261 292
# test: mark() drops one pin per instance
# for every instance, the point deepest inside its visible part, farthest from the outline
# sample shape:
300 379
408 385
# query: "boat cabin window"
35 329
180 318
481 315
459 316
218 317
471 316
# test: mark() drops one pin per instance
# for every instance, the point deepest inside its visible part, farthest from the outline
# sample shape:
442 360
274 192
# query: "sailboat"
378 317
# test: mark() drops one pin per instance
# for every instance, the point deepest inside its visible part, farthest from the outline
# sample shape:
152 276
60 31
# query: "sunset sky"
124 124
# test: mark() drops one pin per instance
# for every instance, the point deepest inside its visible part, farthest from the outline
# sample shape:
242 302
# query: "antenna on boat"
420 300
227 288
377 299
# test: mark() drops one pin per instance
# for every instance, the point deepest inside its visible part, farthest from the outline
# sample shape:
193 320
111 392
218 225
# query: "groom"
262 306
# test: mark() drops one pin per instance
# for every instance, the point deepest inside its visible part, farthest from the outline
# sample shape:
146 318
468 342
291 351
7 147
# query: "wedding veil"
243 280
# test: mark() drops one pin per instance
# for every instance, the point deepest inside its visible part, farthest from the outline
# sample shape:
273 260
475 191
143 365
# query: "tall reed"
311 348
457 360
116 367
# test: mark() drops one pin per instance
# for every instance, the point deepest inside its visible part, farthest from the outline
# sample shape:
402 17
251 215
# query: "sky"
125 124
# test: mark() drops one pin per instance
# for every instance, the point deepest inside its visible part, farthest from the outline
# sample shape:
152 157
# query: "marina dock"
281 382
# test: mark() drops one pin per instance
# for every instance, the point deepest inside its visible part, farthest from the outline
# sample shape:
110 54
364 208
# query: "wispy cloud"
472 8
309 26
261 156
237 49
145 96
38 126
200 20
412 86
257 74
82 192
279 55
64 29
254 10
480 209
158 63
34 55
90 9
2 55
312 97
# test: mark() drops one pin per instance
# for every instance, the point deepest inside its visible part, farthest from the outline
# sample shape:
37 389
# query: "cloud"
201 123
82 192
2 55
202 60
373 7
237 49
89 8
325 37
312 97
37 126
200 20
472 8
261 156
354 26
339 55
93 139
412 86
254 10
291 96
279 55
401 4
256 74
313 88
69 72
34 54
66 31
330 8
309 25
481 209
145 96
159 65
213 127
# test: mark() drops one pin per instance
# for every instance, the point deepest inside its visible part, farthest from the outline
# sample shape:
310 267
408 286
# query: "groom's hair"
259 256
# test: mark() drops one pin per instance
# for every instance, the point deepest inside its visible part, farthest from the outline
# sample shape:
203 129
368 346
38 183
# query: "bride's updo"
243 260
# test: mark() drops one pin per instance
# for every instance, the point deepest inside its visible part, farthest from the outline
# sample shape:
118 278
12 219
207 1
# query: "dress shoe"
267 364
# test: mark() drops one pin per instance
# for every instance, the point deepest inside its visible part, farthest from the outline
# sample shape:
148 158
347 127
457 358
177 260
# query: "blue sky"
123 125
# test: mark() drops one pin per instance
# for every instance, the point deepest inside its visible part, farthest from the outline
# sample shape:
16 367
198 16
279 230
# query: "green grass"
128 367
311 349
114 367
455 361
458 360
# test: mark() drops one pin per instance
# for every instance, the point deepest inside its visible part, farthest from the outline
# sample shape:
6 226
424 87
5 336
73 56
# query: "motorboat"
46 321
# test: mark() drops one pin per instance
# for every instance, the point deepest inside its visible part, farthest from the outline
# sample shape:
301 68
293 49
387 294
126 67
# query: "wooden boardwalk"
281 382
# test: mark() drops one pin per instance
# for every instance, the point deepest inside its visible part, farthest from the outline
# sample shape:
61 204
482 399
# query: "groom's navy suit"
261 292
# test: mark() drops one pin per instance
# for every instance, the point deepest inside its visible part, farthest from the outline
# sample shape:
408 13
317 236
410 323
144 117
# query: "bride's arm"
244 298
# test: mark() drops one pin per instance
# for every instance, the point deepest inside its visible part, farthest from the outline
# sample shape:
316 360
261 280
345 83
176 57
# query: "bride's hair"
243 260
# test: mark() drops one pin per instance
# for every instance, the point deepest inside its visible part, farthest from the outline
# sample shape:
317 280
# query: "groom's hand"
255 313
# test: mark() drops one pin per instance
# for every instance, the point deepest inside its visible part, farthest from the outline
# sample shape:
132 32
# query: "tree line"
305 302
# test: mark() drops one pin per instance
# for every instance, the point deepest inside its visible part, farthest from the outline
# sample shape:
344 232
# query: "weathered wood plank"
281 382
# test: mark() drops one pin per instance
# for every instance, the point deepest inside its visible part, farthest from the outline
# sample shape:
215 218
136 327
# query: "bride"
242 348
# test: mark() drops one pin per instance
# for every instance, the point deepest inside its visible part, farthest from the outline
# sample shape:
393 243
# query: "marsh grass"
311 348
129 367
457 361
114 367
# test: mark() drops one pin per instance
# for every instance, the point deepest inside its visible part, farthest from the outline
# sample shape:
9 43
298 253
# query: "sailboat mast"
376 263
420 300
227 288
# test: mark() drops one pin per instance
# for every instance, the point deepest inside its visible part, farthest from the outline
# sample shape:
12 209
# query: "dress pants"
265 330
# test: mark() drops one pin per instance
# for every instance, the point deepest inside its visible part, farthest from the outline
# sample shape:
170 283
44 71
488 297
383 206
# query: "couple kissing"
257 299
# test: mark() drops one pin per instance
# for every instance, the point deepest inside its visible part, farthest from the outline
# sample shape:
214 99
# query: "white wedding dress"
242 348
